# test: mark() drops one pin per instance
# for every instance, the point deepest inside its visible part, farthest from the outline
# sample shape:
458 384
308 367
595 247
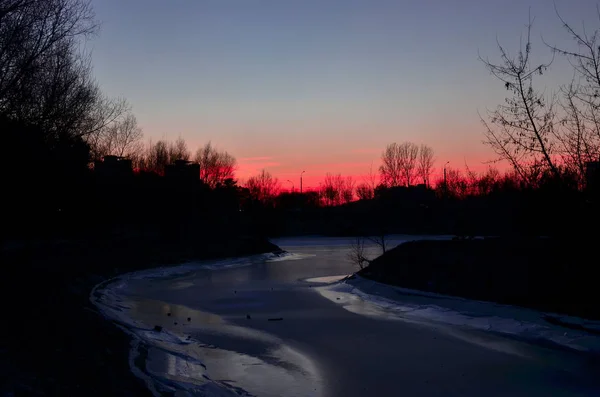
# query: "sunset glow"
315 86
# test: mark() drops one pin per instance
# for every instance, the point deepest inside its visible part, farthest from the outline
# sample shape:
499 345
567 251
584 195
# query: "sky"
321 86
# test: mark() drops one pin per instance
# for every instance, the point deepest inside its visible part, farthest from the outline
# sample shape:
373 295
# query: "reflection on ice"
178 349
233 373
326 279
373 299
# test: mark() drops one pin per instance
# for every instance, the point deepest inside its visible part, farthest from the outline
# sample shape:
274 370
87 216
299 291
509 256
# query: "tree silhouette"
364 191
215 166
329 190
157 157
425 163
44 77
178 150
263 187
38 37
399 164
525 124
120 138
579 137
336 190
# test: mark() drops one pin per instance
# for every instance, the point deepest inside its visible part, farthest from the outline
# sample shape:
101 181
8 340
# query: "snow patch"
290 257
318 241
368 297
187 373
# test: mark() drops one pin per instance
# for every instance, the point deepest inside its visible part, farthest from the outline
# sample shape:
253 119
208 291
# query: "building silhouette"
183 171
592 175
113 167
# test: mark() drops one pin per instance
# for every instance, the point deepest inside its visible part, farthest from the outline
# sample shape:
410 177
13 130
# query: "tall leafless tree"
522 130
329 190
399 164
216 166
127 136
178 150
32 32
263 187
44 79
120 138
390 170
337 190
579 137
425 163
157 157
347 188
408 153
366 189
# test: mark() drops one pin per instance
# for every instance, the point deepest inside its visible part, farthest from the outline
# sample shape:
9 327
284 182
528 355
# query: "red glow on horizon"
359 171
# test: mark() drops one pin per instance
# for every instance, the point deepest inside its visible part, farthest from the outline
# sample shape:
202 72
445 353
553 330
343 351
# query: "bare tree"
105 112
425 163
329 190
455 184
178 150
157 157
371 178
337 190
487 182
580 136
44 79
120 138
356 254
380 240
364 191
399 164
127 137
263 187
33 32
346 188
215 166
522 130
408 153
390 169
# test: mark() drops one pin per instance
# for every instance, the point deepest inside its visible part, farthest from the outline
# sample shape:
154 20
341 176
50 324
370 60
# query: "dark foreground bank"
55 342
550 274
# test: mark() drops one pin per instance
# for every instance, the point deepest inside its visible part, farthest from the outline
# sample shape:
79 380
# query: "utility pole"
301 181
292 185
445 180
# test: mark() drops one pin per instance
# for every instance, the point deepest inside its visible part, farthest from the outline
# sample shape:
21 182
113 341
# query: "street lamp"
292 185
301 181
445 180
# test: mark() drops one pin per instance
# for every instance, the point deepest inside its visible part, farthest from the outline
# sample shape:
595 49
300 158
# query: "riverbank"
56 343
546 274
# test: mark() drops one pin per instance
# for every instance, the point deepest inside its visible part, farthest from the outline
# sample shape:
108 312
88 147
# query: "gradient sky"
315 85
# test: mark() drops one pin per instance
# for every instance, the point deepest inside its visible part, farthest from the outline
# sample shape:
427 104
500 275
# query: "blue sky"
319 85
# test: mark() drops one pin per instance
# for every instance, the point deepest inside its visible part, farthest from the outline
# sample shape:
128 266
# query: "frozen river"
285 326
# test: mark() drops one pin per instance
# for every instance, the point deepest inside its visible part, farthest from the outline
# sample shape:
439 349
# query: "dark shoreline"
57 342
547 274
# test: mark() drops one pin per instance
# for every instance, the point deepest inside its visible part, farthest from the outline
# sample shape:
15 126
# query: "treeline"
57 126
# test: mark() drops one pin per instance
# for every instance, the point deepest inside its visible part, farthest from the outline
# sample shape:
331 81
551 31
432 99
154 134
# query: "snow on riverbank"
368 297
391 240
110 298
108 295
